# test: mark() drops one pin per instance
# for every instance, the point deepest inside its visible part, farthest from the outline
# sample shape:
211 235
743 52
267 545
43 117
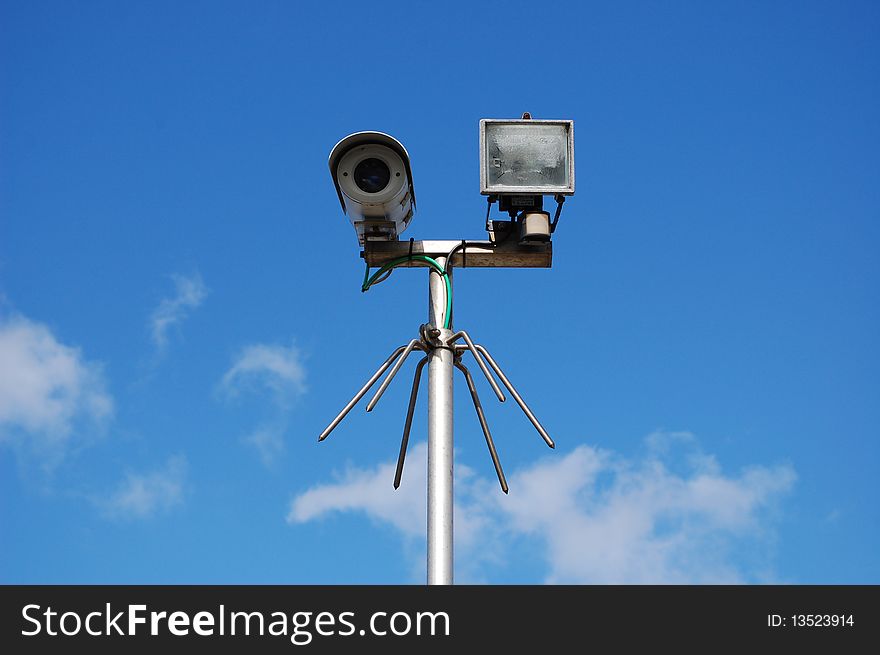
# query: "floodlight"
526 157
521 161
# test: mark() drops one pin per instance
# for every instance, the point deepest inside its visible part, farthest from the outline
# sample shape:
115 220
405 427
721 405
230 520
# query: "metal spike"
360 394
480 415
409 417
467 339
517 397
409 348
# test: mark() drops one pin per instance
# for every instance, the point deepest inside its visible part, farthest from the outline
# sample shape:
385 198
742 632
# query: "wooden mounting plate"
479 254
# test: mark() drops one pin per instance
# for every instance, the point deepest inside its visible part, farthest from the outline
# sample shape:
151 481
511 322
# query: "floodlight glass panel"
527 157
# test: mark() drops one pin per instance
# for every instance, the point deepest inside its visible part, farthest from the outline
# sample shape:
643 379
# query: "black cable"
559 201
463 244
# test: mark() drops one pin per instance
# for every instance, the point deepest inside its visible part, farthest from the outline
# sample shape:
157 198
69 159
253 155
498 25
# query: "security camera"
373 179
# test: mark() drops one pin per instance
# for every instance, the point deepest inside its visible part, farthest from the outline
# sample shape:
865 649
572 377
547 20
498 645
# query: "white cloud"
371 491
144 495
189 292
268 440
611 521
600 518
277 368
47 389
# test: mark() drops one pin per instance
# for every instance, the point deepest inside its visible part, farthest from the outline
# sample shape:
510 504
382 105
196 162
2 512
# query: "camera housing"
373 179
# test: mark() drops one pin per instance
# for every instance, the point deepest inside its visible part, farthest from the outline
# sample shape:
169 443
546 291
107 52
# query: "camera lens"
372 175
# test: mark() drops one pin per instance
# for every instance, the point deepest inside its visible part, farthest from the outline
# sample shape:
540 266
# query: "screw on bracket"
430 336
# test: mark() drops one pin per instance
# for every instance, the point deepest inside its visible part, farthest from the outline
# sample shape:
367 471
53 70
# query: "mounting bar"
478 254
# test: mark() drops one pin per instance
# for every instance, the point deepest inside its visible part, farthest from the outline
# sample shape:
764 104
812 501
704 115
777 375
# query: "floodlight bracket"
513 203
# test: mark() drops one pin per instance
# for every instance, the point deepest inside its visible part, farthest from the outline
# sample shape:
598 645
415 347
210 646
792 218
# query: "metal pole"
439 439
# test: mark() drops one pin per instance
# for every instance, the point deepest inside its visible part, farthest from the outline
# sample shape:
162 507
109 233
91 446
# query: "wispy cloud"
142 495
189 292
600 518
370 491
281 371
268 440
48 391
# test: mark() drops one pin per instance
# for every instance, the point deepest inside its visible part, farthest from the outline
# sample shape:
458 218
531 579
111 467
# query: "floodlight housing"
526 157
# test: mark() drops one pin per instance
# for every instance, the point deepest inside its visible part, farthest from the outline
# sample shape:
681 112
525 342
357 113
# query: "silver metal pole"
439 439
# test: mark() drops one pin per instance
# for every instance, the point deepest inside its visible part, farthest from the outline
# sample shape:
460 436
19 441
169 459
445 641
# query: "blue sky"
181 315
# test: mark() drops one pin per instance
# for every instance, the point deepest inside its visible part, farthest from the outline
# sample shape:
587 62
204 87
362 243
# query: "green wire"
369 280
